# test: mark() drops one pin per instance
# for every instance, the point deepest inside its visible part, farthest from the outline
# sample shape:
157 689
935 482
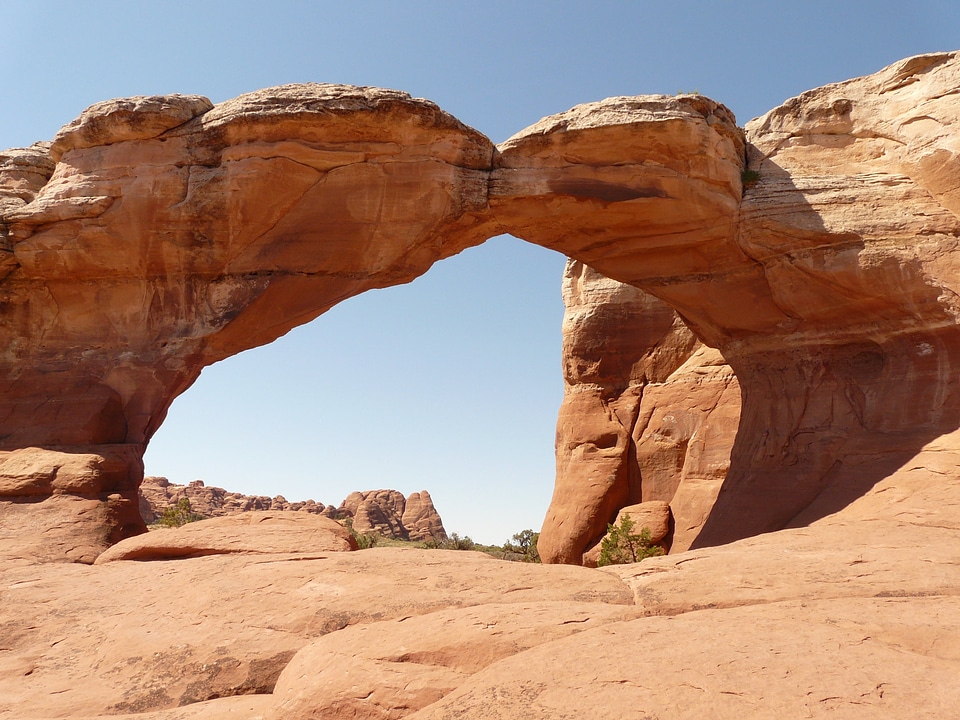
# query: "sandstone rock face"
832 610
850 221
639 387
381 512
828 285
172 233
388 513
421 519
854 219
59 506
154 249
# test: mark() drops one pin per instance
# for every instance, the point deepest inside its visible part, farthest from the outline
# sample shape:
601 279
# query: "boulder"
251 532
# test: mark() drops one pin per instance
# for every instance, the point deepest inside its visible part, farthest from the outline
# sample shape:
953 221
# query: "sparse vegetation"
522 547
178 515
365 541
453 542
749 178
622 546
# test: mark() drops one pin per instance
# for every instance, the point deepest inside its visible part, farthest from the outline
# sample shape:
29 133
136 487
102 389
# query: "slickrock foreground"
855 616
810 261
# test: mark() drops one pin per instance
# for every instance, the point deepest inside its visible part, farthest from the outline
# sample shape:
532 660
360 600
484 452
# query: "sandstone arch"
158 235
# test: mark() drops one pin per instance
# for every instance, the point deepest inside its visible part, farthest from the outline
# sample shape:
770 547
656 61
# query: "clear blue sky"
451 383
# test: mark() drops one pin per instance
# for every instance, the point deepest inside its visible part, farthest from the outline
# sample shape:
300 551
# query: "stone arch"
171 233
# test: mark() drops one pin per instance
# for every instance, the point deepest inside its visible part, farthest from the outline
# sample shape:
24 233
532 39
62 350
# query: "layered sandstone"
827 284
846 356
854 219
649 414
390 514
173 233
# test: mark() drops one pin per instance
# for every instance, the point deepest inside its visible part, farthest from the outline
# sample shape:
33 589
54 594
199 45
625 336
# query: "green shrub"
621 545
749 178
179 514
523 543
452 542
364 541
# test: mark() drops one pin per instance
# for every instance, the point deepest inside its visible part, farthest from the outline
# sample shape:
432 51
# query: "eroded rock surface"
144 636
854 219
815 620
157 494
390 514
649 414
382 512
251 532
171 233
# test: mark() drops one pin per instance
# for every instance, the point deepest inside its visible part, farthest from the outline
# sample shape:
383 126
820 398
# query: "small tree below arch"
621 545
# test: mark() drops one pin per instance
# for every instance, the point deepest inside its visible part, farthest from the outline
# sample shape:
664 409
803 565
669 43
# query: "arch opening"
391 389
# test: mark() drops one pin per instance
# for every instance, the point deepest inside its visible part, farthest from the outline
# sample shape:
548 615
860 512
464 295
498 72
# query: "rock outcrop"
388 513
815 254
649 414
172 234
828 284
157 494
251 532
381 512
133 637
813 621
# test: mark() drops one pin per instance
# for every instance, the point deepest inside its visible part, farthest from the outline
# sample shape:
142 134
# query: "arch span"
159 235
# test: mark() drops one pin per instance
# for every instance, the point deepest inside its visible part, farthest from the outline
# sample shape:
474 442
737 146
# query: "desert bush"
365 541
179 514
452 542
621 545
522 547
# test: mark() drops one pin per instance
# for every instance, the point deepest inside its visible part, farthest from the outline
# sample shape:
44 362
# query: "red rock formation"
649 413
157 494
829 285
382 512
388 513
262 532
421 519
854 219
173 234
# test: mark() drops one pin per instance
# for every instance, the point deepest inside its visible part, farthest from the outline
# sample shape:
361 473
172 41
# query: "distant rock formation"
380 512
